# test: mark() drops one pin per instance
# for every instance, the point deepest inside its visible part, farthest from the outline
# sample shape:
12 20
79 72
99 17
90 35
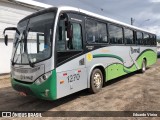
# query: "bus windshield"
33 44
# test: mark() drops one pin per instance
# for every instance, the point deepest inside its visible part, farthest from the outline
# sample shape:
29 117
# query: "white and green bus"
61 50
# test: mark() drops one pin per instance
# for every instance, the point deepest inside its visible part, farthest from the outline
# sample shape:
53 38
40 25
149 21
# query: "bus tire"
143 69
96 81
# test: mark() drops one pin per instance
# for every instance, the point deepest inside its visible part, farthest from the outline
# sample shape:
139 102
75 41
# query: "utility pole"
132 20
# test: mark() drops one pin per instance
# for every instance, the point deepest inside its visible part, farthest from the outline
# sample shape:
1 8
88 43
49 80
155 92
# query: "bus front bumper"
47 90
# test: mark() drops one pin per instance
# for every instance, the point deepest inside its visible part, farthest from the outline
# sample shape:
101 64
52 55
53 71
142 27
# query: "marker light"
43 78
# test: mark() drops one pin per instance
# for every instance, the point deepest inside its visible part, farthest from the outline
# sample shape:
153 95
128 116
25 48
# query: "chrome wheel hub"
97 80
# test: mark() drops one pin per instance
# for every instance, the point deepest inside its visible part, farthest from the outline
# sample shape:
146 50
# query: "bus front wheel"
96 81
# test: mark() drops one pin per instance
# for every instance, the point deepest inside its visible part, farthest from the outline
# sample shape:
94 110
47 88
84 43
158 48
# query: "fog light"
46 92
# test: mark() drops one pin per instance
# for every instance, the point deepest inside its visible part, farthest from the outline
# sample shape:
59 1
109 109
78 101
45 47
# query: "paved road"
134 92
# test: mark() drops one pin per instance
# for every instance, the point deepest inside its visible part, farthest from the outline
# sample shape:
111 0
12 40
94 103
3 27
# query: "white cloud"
147 17
154 0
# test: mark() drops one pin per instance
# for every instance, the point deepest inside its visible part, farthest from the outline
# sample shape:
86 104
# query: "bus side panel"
71 77
120 60
125 64
149 53
115 59
115 70
74 81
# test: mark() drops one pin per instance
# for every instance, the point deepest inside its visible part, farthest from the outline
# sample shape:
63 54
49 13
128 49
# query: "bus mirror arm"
11 28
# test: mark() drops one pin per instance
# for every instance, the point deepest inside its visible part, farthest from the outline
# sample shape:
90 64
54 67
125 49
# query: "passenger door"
71 69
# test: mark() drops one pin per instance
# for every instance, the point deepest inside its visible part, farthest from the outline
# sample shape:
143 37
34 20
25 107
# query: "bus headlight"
43 78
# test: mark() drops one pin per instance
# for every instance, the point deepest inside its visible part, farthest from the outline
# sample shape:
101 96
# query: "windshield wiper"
13 63
29 61
25 51
16 43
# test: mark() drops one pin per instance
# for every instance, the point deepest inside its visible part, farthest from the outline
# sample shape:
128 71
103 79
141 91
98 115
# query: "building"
11 11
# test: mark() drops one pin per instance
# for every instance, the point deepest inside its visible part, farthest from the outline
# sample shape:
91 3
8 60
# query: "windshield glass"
33 44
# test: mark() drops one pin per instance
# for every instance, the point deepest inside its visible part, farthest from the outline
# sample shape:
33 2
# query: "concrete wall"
10 14
5 55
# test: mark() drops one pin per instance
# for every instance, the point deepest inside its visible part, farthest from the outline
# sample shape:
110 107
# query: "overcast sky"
146 13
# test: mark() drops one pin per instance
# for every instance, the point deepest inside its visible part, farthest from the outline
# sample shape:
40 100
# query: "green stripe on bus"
53 85
108 55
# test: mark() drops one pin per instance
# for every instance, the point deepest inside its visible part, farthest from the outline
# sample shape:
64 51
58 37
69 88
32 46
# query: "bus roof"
69 8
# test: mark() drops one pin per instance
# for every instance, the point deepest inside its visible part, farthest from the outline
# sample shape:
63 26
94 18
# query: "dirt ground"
134 92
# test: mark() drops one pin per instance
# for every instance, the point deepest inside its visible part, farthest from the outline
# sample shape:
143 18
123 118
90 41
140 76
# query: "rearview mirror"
6 40
6 36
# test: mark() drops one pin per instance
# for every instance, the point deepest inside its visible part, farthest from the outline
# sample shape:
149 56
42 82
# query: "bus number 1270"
73 77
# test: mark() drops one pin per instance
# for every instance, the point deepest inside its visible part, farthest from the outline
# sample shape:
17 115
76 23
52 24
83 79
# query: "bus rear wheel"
96 81
143 69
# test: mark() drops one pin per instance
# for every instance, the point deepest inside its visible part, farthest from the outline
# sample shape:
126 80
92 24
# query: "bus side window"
115 34
102 32
96 32
77 37
139 38
150 40
128 36
145 38
91 31
153 40
61 39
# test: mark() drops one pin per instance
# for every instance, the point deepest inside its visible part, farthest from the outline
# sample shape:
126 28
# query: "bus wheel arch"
100 72
103 73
